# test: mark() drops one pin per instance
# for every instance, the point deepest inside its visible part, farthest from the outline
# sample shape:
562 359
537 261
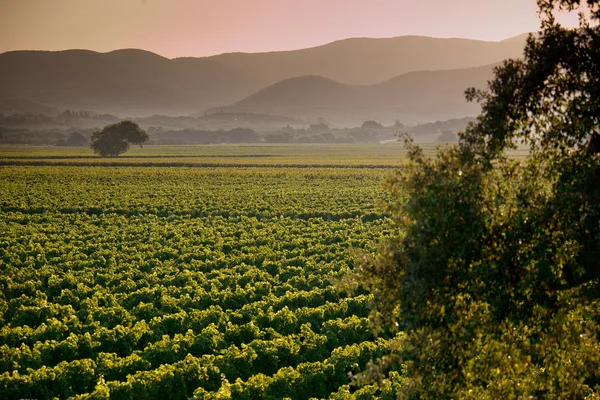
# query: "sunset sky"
176 28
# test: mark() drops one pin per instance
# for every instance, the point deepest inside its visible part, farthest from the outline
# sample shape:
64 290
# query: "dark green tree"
115 139
495 279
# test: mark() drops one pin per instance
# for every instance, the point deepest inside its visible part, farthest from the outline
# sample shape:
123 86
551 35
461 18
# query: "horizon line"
265 52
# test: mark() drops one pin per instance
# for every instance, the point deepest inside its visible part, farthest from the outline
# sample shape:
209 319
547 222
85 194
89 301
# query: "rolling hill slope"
139 83
365 61
124 82
414 96
304 91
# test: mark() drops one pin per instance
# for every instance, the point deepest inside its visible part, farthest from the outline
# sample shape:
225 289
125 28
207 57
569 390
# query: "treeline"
320 133
52 137
43 130
446 129
159 136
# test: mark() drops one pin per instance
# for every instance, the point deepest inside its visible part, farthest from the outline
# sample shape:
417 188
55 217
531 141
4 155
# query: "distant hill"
139 83
414 97
305 91
123 82
365 61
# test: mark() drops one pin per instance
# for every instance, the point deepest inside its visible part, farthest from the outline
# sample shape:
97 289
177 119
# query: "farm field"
189 272
248 155
259 155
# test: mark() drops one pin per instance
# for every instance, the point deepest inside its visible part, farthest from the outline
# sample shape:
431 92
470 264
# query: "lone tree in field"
116 138
495 279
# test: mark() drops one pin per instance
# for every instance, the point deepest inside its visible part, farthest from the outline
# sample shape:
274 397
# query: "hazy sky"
204 27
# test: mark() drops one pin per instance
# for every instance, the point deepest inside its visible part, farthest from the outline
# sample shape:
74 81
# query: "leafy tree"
496 278
116 138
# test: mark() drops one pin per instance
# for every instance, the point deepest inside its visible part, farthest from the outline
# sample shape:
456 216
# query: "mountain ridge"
133 82
374 60
521 36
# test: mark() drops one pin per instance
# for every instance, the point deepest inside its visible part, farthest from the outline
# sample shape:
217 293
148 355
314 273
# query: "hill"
366 61
413 97
124 82
305 91
139 83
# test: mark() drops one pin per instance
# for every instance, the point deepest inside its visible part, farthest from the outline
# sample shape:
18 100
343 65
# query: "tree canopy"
115 139
496 276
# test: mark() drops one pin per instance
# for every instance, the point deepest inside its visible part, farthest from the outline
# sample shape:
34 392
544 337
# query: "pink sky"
176 28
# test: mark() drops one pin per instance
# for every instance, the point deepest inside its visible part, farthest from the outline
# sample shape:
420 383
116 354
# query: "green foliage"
115 139
495 278
150 282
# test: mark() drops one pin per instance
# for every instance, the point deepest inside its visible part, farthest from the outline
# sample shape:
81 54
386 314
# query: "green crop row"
173 282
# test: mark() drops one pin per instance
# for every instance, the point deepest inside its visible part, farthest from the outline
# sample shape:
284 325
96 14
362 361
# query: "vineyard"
205 272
